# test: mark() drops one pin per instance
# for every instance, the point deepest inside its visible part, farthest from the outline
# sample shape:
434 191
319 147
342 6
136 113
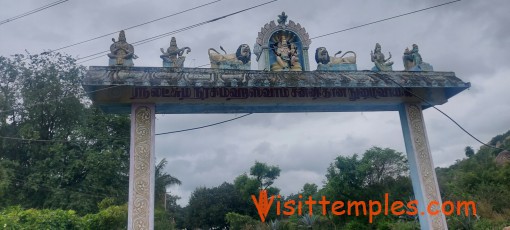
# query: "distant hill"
484 180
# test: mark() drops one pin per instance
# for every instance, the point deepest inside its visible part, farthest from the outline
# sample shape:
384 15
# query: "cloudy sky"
469 37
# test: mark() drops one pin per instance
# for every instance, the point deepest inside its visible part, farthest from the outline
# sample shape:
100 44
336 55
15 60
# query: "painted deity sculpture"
282 45
241 59
174 56
334 63
121 52
413 61
287 58
377 57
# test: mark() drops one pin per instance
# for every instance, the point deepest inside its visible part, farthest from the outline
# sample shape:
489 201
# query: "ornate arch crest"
266 32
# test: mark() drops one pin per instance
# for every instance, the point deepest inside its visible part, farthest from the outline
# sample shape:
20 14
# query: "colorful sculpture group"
285 47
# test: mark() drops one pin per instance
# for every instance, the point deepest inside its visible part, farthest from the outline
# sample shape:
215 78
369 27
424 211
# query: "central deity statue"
287 58
282 45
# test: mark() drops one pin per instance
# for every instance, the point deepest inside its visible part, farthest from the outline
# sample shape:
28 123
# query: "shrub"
239 222
17 218
111 218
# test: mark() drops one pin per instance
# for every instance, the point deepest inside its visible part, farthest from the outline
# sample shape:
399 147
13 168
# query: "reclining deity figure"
174 57
381 64
346 62
121 52
241 59
286 57
413 61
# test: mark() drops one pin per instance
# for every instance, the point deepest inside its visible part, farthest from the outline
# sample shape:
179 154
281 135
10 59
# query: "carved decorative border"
155 76
142 175
425 164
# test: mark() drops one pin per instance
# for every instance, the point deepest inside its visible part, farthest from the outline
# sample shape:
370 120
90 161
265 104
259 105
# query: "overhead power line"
324 35
32 11
386 19
157 134
150 39
359 26
381 20
205 126
131 27
95 56
433 106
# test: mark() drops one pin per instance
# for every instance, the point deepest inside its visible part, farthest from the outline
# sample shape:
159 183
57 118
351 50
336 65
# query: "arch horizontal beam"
199 90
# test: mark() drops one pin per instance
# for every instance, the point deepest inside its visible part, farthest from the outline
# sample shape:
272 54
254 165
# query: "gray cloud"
467 37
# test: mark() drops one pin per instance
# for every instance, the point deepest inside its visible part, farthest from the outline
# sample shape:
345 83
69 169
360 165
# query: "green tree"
262 176
377 172
309 190
162 181
65 153
208 206
469 151
479 179
165 203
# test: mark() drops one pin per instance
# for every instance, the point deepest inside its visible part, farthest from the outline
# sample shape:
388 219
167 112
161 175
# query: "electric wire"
138 43
32 11
439 110
150 39
367 24
219 18
93 56
157 134
205 126
138 25
377 21
385 19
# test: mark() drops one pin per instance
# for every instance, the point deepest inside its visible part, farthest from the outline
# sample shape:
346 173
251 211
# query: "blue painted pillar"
423 175
141 168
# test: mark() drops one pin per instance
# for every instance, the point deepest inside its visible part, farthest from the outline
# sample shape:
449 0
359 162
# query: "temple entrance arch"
224 91
146 91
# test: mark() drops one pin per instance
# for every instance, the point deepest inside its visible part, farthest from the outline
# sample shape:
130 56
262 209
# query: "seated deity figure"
381 64
121 52
174 57
413 61
286 57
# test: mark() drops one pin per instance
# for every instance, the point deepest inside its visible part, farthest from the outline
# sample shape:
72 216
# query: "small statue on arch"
413 61
380 62
174 56
121 52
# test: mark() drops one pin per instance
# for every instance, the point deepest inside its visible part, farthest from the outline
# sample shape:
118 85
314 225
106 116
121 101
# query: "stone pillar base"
423 175
141 168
